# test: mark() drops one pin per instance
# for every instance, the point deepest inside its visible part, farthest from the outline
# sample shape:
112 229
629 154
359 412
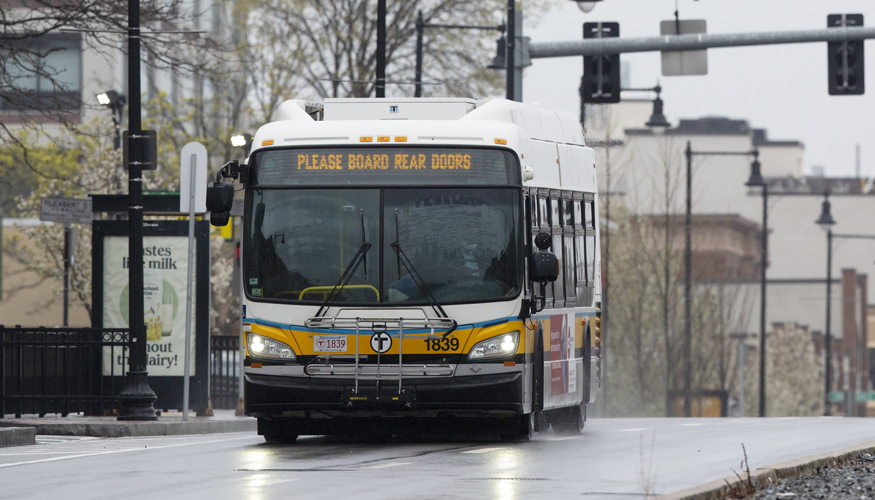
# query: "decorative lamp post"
756 179
825 221
688 267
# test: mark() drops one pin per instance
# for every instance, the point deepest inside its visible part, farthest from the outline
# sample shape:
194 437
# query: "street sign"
836 397
65 210
193 155
864 396
686 62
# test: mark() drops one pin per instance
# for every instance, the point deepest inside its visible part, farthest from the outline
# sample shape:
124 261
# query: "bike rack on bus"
385 325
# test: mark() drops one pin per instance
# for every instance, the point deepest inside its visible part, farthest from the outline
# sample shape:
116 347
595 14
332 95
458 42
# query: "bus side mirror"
543 264
543 269
220 219
220 197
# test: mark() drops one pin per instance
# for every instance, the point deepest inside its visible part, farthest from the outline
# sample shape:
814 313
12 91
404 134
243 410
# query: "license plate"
329 343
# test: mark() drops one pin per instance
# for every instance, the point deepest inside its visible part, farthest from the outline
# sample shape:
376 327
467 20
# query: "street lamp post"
756 179
688 268
137 397
826 222
420 28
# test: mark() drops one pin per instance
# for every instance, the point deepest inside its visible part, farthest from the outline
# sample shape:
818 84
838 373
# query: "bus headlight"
502 346
264 347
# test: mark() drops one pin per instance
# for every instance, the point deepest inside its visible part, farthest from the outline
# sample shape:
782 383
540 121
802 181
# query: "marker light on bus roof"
267 143
366 139
503 142
383 138
400 138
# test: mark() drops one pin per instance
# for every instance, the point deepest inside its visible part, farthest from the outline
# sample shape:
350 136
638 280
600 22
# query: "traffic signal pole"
594 46
520 50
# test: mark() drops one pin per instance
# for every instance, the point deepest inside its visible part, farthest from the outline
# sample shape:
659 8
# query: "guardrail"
60 370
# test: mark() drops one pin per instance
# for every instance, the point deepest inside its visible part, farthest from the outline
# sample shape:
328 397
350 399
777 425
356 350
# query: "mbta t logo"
381 342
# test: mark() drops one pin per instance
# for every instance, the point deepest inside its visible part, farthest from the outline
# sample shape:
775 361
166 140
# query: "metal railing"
61 370
224 371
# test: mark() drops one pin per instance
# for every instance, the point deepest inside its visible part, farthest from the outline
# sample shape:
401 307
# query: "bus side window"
580 253
532 204
544 226
568 249
556 231
590 243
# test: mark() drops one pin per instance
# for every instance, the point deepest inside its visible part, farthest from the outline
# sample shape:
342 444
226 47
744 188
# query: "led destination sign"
384 161
385 165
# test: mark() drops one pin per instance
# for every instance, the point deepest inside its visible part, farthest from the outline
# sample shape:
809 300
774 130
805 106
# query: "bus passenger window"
559 284
568 248
544 218
589 221
568 213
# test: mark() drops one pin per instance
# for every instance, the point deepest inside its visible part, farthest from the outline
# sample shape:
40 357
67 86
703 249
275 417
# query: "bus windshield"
464 243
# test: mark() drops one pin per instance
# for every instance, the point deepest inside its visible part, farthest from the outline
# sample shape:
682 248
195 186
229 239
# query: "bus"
417 264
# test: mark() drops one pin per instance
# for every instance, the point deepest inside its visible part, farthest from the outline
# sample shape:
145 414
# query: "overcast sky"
782 88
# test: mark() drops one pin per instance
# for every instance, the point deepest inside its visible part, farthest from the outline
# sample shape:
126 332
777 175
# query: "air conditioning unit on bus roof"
409 108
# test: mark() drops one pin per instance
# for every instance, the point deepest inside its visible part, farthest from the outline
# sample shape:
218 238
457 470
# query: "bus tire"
525 428
280 438
569 420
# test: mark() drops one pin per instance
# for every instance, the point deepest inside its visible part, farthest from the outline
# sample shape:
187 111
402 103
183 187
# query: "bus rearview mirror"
220 197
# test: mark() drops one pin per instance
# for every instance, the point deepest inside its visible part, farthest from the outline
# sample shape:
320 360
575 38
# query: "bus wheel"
525 428
569 420
280 438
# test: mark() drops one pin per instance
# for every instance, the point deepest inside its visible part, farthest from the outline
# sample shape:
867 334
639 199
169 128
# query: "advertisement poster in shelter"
165 277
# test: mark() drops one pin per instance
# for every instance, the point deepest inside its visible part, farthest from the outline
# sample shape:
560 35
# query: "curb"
128 429
764 476
17 436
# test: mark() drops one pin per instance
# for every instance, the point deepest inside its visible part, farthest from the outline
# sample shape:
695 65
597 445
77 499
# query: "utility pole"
381 49
137 397
511 50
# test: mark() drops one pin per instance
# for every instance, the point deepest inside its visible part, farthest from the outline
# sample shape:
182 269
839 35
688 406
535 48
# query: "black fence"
60 370
224 371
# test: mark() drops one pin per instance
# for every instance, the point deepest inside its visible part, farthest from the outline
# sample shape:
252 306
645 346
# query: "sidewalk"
166 425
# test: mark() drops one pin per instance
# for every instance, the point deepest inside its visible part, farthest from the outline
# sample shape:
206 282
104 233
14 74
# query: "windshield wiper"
417 279
359 257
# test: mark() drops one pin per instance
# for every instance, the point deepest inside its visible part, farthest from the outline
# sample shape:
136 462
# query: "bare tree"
318 49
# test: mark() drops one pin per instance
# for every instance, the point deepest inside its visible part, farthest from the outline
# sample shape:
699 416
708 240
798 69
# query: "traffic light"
601 73
845 59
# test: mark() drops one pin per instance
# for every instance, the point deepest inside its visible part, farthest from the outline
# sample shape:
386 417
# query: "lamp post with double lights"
826 222
116 102
688 267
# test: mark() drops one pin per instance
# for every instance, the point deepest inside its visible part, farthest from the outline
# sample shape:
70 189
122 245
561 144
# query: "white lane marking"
564 438
108 452
634 429
689 425
483 450
382 466
260 480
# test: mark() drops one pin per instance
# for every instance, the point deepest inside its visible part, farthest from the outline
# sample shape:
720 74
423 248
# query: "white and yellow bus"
390 277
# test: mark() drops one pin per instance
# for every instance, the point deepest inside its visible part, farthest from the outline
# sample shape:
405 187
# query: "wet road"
614 458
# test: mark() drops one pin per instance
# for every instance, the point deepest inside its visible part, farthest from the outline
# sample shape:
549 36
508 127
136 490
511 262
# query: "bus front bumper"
271 396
